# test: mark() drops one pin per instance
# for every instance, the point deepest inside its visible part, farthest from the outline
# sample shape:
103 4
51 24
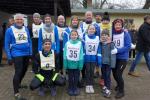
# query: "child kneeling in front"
73 62
44 68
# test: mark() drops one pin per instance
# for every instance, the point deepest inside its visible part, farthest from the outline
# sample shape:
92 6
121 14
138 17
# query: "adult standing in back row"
18 48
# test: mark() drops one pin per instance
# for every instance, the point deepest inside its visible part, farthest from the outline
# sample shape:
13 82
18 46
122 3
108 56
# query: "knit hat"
36 15
105 16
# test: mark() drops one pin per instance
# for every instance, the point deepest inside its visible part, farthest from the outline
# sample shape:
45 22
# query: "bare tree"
147 4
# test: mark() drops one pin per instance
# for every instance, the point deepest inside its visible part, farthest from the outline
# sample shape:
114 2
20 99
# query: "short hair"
18 15
47 15
106 32
146 17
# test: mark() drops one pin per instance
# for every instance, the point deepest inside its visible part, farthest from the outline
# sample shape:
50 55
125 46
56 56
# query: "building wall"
138 18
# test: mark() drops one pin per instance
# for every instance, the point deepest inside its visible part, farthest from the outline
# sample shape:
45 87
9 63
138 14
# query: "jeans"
138 59
106 75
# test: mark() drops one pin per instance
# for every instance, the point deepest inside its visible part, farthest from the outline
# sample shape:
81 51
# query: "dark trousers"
106 75
34 49
118 72
21 65
89 70
73 75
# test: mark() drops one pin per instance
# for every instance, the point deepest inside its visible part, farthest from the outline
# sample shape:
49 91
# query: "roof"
32 6
113 11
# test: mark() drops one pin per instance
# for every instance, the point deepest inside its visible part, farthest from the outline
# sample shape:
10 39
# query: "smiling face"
89 16
47 46
19 20
74 35
47 20
91 29
118 26
61 20
36 20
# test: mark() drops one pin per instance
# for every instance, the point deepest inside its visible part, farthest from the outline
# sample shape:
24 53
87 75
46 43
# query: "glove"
114 51
133 46
10 61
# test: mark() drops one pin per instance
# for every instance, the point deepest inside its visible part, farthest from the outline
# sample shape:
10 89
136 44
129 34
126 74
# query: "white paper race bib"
60 32
118 39
47 63
46 34
91 45
35 30
73 51
20 35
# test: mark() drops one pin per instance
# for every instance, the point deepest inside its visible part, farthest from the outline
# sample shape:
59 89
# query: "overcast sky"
134 3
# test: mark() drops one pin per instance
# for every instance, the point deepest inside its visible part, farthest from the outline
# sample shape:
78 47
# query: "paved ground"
136 88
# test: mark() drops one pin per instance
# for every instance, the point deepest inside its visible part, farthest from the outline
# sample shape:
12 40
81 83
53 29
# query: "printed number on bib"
21 37
91 48
73 54
117 43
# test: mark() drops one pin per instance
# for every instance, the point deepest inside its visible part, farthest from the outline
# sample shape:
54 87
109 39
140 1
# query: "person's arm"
40 40
127 44
36 63
29 40
57 43
65 57
8 39
81 58
99 56
145 33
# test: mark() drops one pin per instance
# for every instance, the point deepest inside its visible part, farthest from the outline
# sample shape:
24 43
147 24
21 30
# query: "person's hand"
10 61
133 46
114 51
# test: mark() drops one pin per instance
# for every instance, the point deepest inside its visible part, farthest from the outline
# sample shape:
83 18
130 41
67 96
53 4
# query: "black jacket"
143 38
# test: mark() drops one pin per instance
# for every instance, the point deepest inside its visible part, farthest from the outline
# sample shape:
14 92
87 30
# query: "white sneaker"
87 89
107 93
91 89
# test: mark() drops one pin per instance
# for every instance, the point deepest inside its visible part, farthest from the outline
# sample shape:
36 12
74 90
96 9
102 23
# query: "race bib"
91 45
118 39
20 35
73 51
49 35
47 63
35 30
60 32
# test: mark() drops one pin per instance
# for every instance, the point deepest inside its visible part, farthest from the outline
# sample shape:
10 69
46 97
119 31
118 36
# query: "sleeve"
127 44
36 64
65 57
30 42
97 30
57 46
40 41
81 61
99 56
145 34
65 38
7 43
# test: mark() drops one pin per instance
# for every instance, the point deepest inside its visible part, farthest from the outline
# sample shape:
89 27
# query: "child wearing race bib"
44 67
73 62
92 56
